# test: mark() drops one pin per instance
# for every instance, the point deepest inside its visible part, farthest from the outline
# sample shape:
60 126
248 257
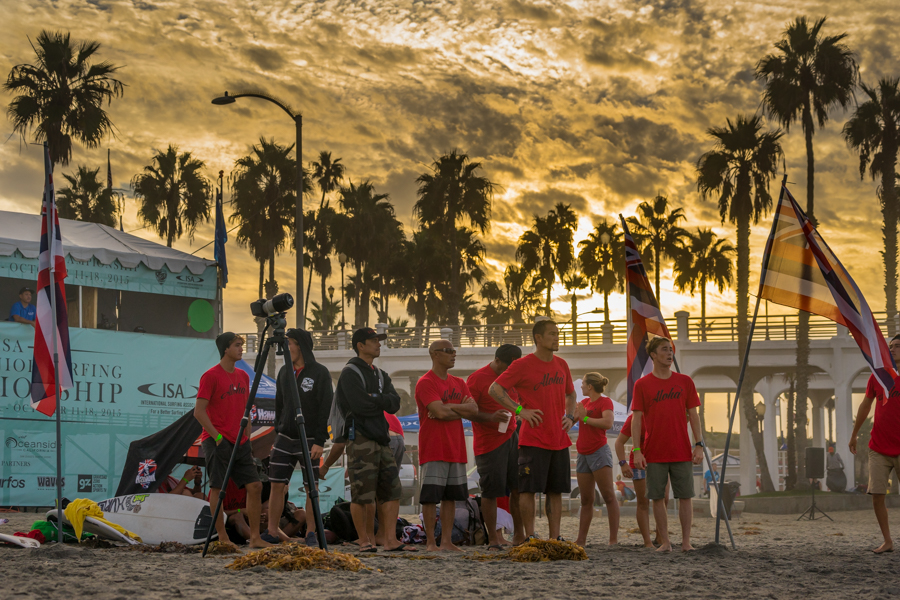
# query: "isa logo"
146 473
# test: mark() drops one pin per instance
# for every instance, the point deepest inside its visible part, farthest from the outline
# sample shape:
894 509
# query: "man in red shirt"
884 445
496 447
547 395
442 400
221 400
661 401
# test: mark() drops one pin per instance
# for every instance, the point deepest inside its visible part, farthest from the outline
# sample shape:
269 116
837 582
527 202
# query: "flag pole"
51 239
740 384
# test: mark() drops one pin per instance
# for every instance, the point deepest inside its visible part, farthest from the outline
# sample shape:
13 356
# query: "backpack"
468 526
338 420
341 522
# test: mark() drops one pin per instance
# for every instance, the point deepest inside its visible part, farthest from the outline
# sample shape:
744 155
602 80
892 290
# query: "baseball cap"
25 289
366 333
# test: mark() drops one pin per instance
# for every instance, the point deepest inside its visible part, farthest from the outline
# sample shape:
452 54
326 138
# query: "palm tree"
602 257
452 194
368 221
658 231
573 281
421 267
738 170
263 185
61 96
493 313
319 241
328 174
705 258
874 132
87 198
325 316
522 293
808 77
547 248
173 193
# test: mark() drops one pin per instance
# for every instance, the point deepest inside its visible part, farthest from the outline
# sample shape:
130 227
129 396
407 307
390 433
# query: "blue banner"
126 387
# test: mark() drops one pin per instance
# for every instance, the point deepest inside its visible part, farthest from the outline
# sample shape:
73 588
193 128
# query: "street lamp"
298 217
331 299
342 258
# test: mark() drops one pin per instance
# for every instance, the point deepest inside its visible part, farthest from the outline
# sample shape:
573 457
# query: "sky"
600 104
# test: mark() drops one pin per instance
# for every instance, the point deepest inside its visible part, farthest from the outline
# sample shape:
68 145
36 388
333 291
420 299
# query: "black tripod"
277 322
810 513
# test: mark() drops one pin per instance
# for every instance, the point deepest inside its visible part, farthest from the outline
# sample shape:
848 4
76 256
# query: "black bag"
342 522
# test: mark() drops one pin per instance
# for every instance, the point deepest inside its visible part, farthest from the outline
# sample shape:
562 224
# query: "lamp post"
298 217
342 258
330 299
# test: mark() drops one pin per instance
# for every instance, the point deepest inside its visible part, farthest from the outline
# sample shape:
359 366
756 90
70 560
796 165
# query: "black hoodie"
316 392
366 404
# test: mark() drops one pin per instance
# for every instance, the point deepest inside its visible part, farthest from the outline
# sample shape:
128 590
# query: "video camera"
268 308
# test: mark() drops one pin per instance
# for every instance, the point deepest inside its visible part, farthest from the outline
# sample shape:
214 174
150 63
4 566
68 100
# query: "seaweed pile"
296 557
538 551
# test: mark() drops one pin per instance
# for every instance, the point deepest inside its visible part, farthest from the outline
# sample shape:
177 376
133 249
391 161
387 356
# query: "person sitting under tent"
23 311
175 486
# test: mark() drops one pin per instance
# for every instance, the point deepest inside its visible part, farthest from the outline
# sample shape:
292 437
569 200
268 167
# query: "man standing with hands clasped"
442 400
547 395
221 399
663 402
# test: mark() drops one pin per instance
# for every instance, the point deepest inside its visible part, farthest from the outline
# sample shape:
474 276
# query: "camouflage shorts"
372 471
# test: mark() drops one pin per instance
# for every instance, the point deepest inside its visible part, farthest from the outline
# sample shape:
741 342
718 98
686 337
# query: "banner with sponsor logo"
126 387
114 276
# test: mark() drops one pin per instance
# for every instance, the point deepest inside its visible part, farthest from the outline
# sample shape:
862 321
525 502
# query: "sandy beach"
777 557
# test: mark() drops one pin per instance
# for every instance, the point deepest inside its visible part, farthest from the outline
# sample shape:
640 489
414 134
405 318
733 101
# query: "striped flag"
221 235
51 331
646 319
800 271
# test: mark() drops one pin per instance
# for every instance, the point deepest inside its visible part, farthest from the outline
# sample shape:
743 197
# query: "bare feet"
519 540
613 542
449 547
432 548
580 542
667 547
885 547
258 542
649 545
687 548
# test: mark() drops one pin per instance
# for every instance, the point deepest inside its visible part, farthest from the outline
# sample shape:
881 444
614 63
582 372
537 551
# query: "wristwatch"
700 444
570 417
623 462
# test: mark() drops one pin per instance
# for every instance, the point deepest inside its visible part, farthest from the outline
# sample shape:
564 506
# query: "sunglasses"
446 350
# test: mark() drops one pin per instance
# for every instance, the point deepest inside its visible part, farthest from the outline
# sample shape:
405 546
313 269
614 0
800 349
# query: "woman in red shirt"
594 416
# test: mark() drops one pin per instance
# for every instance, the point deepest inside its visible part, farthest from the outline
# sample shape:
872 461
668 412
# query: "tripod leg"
721 503
244 421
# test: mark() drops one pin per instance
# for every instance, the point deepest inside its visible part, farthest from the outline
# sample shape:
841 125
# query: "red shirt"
487 435
886 426
440 440
541 385
591 439
393 423
626 431
227 394
664 404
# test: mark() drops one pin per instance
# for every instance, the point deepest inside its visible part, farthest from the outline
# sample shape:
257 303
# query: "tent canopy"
84 241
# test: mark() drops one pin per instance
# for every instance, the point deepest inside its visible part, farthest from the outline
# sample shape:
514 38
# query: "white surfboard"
160 518
713 501
20 541
92 525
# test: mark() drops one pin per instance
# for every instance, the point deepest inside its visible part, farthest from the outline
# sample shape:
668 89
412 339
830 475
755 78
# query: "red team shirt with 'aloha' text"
487 435
591 439
227 394
664 404
886 425
440 440
543 386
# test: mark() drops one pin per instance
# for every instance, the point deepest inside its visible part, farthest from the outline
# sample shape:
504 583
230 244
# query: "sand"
777 557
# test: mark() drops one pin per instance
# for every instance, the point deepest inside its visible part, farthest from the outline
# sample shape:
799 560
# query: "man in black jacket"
316 393
364 394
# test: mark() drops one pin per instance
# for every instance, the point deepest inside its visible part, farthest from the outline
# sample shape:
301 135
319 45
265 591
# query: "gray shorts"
443 481
398 448
588 463
498 470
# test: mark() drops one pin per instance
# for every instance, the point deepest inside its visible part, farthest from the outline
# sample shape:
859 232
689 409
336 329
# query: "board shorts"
398 448
443 481
681 474
373 472
498 470
588 463
638 474
217 456
543 471
880 466
286 454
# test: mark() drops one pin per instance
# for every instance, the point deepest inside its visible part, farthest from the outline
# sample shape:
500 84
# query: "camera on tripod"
270 308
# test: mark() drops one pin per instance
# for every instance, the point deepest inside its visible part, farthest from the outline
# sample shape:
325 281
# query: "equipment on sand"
92 525
159 518
20 541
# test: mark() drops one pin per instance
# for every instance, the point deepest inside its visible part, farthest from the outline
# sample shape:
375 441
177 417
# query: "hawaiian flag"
801 271
51 331
646 318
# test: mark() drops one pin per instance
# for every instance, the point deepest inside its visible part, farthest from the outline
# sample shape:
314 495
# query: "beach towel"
81 508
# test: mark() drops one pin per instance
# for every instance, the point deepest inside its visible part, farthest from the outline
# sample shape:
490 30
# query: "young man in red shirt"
443 400
663 401
884 445
496 447
547 395
221 400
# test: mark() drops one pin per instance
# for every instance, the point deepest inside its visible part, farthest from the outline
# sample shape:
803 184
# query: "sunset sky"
600 104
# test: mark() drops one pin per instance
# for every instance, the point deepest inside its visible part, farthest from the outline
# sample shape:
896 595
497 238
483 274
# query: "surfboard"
20 541
713 501
160 518
92 525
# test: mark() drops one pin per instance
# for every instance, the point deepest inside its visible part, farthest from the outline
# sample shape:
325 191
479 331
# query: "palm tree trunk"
703 309
308 290
547 307
455 266
357 284
656 275
889 230
324 291
262 276
606 306
790 481
803 326
746 399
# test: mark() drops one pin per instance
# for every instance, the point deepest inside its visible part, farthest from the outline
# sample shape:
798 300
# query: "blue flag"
221 238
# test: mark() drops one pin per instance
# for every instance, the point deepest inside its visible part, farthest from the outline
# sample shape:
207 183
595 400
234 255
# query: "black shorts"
498 470
543 471
286 453
217 456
